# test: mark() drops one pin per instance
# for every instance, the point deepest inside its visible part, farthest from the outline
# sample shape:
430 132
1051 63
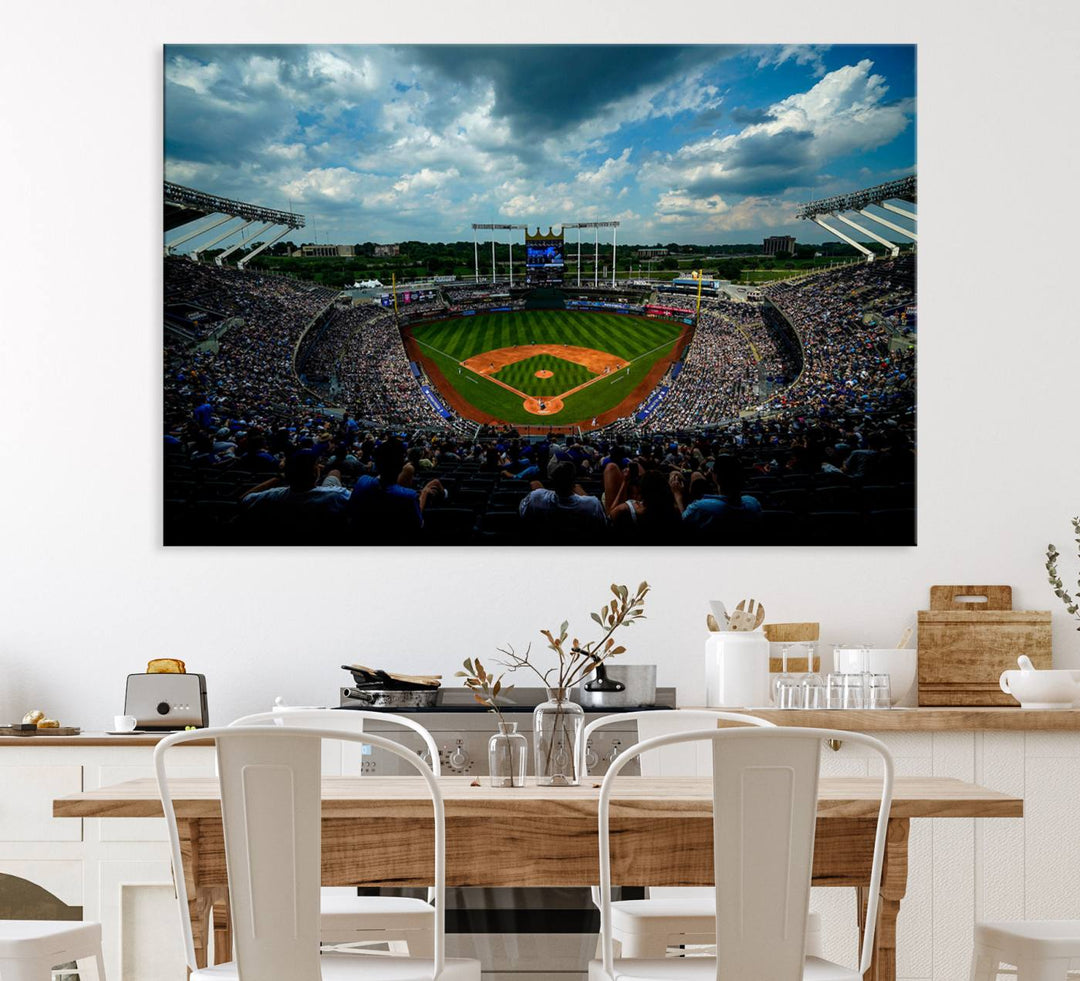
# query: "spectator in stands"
302 512
381 510
648 515
564 513
726 515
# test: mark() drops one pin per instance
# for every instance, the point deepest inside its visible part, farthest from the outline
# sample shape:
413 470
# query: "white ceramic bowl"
899 663
1042 689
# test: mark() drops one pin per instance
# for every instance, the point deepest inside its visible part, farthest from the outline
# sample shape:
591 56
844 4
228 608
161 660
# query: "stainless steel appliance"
528 934
619 686
165 702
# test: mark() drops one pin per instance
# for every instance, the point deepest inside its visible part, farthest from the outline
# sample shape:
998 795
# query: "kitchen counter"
923 719
88 739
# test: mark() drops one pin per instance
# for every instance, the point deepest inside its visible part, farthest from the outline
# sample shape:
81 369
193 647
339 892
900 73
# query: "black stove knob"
163 708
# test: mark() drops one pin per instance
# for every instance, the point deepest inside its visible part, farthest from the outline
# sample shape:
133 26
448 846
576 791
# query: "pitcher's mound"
544 407
544 373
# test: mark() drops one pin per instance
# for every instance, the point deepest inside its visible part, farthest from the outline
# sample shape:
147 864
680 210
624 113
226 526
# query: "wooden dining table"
377 832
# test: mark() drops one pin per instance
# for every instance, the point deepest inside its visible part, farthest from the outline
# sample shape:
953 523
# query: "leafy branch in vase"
579 660
1072 603
486 688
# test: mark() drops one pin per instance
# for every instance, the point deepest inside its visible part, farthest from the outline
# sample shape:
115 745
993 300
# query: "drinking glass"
853 691
785 676
813 691
879 693
788 692
834 690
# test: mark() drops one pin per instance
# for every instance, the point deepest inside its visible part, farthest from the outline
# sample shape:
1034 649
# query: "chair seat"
45 938
696 915
349 967
1031 939
704 969
376 913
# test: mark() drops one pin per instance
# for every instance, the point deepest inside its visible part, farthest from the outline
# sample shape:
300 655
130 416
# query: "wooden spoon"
748 617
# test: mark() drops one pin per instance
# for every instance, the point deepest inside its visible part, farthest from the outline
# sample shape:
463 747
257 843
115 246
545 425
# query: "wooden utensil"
747 617
904 638
712 624
720 614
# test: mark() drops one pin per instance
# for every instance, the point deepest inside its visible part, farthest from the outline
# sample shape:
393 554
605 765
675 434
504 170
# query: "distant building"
385 250
651 253
325 251
780 245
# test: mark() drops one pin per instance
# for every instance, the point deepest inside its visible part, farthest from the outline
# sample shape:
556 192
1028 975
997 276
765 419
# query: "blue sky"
692 144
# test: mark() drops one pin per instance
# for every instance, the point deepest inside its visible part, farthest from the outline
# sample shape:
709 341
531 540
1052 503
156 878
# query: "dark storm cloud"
543 90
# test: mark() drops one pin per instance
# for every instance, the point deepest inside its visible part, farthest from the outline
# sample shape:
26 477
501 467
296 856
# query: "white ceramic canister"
737 669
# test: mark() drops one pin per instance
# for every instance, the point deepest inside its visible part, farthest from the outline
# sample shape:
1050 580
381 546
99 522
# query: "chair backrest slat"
765 812
271 813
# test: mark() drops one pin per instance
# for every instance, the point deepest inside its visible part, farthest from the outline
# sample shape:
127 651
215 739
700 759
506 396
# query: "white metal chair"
346 917
1041 950
271 810
675 916
765 790
30 949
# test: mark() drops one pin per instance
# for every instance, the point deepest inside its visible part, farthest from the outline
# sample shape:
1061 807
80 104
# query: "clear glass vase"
508 755
557 725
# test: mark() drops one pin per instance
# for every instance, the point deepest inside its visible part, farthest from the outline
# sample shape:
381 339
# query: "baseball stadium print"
467 295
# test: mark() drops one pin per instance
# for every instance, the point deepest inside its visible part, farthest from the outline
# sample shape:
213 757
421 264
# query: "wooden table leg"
208 904
893 889
199 914
222 921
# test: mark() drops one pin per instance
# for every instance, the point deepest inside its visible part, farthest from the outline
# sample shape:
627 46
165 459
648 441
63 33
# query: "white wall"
87 594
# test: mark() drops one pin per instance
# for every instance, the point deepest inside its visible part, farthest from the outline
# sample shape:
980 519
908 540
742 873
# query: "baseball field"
545 367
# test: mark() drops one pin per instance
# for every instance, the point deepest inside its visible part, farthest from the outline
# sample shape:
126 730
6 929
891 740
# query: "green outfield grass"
639 340
564 375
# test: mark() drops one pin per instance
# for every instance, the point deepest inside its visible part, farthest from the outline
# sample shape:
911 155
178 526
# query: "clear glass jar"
557 725
508 756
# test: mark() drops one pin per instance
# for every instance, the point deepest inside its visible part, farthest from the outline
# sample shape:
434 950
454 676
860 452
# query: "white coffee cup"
124 723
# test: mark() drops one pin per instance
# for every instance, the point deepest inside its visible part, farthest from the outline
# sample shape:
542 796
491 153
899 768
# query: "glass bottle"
508 755
557 725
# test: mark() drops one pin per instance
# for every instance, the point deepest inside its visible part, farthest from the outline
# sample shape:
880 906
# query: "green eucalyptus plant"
1072 603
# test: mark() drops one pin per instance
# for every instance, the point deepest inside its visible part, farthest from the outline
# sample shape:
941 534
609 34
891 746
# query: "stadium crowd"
251 457
720 372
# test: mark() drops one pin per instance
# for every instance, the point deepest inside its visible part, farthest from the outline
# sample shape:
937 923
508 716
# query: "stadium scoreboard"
543 258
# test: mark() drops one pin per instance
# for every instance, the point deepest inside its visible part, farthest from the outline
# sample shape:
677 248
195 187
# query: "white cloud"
192 74
337 184
845 112
425 179
801 54
608 172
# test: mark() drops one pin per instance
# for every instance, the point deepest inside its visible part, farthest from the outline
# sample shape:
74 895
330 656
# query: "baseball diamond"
569 366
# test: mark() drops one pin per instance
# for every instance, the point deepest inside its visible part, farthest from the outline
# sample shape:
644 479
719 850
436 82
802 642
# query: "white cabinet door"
26 803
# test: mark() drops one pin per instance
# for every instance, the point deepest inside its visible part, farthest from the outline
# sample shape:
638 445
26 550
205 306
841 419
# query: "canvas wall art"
540 295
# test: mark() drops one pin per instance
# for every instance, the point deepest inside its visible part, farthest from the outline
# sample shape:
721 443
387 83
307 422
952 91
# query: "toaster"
164 702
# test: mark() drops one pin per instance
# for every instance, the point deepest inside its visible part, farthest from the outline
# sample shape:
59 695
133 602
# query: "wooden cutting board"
792 633
56 731
964 645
